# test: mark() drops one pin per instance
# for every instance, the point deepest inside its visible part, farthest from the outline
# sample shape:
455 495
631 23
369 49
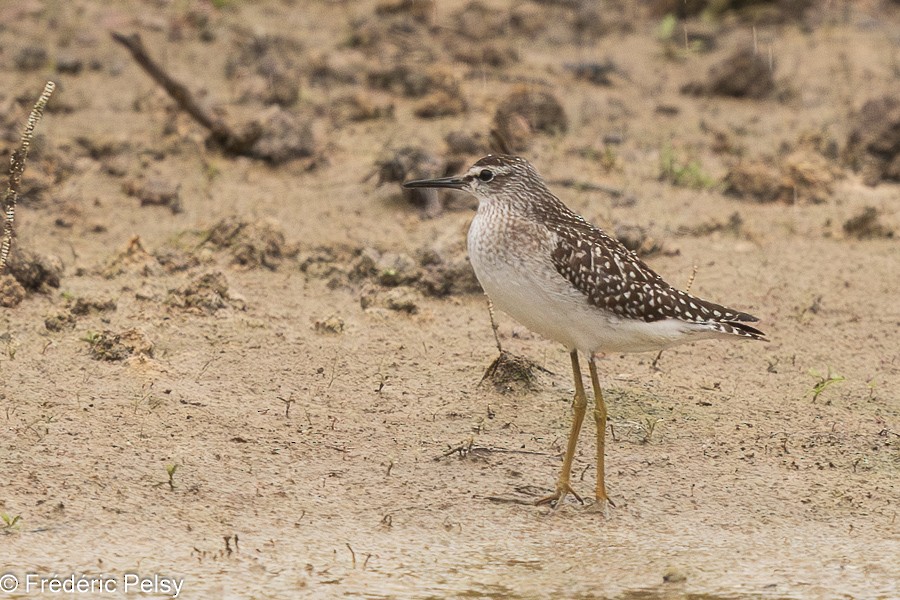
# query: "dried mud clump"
446 273
175 261
336 264
873 146
810 176
867 225
133 259
252 244
35 272
754 180
744 74
204 294
358 107
396 37
525 112
433 272
266 68
284 136
593 72
388 269
440 90
78 307
420 10
485 55
393 269
402 80
443 103
30 58
155 191
11 291
332 324
114 153
60 321
754 11
803 176
111 346
403 298
87 306
734 225
411 163
510 373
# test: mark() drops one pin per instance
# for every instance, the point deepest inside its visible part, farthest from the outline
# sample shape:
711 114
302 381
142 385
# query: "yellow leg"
563 487
600 421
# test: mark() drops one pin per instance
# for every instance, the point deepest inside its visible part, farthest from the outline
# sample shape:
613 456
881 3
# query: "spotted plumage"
614 278
584 288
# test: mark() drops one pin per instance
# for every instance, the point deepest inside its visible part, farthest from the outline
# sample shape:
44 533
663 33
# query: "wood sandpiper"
567 280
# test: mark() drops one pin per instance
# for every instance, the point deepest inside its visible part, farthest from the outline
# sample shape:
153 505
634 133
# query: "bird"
569 281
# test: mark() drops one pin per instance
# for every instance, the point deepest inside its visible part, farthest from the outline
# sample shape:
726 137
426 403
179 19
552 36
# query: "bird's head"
493 178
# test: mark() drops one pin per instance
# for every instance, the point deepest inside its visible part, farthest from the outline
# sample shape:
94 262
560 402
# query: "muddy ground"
251 372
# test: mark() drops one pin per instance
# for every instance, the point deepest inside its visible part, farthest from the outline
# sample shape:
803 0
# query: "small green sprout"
824 381
10 522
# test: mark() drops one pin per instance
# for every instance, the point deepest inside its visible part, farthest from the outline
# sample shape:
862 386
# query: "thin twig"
352 553
16 169
509 500
462 449
221 133
490 449
494 326
468 448
691 280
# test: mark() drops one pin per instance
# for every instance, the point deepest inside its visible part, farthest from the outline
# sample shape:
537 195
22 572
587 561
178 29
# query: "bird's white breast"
511 257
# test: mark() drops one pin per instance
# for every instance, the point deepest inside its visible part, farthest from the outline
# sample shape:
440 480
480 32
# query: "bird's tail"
739 328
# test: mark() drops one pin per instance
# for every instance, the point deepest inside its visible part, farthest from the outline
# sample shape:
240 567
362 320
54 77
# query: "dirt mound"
410 163
204 294
11 291
867 225
510 373
112 346
266 68
285 136
744 74
251 244
34 272
134 258
525 112
803 172
873 146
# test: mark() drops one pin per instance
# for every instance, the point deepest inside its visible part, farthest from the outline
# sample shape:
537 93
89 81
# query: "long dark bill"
455 183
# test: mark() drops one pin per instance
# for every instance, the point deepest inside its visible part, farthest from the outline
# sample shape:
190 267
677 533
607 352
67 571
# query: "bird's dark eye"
486 175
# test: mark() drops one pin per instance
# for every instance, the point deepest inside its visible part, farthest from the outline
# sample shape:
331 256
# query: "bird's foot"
601 506
555 500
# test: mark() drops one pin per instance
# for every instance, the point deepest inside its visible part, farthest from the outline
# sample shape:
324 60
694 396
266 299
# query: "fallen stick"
221 133
16 169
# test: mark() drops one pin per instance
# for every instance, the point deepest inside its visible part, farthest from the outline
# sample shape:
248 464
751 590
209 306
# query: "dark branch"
220 132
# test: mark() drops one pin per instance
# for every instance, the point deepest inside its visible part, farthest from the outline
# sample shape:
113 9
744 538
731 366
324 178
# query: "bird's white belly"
540 298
